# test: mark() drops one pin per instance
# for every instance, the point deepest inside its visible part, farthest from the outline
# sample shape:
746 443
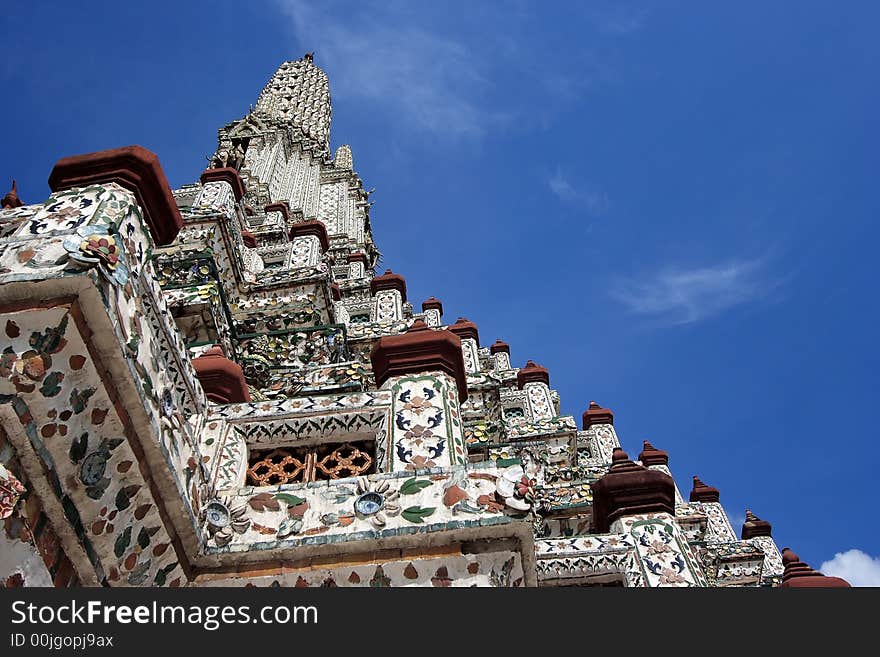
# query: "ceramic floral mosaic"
190 410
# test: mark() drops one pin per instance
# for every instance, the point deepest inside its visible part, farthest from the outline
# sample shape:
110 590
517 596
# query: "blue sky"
671 206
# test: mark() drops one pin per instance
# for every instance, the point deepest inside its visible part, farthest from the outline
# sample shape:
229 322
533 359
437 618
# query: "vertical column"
500 355
599 422
760 533
709 497
357 265
470 344
389 291
424 370
309 242
534 380
433 311
221 190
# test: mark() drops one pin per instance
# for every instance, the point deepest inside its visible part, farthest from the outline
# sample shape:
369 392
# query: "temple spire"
299 94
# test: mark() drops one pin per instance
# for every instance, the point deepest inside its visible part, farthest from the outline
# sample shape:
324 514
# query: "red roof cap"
754 527
280 206
420 349
225 174
11 199
222 379
650 455
532 372
797 574
628 489
313 227
499 346
132 167
595 414
249 239
432 303
389 281
464 328
704 493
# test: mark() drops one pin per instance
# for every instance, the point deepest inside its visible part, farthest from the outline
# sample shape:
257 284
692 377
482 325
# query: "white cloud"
595 201
856 567
375 56
456 70
681 296
618 20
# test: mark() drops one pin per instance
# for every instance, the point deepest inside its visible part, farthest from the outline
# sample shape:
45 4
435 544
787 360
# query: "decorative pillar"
657 459
709 497
500 355
534 380
221 190
599 422
389 290
357 264
309 242
10 199
760 533
433 311
424 370
277 214
470 344
631 499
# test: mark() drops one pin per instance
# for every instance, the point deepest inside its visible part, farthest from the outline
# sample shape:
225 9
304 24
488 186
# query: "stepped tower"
214 386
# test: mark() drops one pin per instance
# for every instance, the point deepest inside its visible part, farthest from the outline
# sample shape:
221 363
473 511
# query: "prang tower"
214 386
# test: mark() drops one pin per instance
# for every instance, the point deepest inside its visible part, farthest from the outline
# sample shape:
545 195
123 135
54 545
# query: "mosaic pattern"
98 389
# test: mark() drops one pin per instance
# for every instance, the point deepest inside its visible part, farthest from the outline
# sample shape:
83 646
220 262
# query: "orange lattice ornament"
345 461
279 466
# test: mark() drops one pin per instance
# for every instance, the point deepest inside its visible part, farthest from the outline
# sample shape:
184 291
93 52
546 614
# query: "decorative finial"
309 57
754 527
702 492
650 455
11 199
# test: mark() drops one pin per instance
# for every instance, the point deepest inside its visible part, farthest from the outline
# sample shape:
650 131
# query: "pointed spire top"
466 329
389 281
432 303
499 346
298 94
703 493
532 373
754 527
343 158
11 199
650 455
595 414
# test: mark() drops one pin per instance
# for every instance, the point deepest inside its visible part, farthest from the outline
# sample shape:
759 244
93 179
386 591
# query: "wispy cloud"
681 296
617 20
377 57
856 567
438 69
595 201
